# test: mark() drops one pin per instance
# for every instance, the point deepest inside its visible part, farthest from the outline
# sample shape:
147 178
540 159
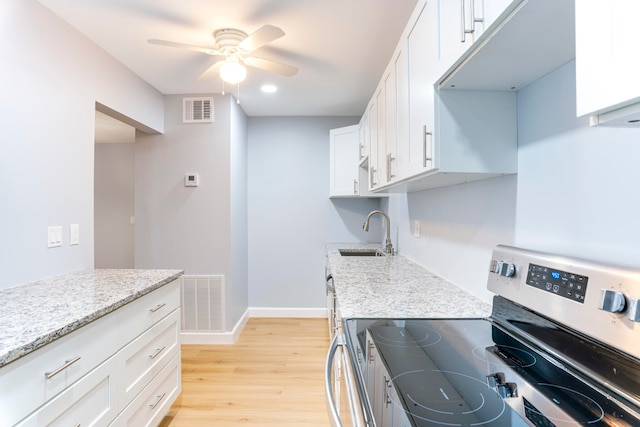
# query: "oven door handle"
334 416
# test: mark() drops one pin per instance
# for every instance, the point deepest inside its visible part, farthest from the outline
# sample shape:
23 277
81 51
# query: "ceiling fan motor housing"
228 38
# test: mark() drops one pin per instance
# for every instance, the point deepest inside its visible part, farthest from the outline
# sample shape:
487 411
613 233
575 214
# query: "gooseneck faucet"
365 227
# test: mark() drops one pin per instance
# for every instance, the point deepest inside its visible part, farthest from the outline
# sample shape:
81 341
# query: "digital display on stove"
563 283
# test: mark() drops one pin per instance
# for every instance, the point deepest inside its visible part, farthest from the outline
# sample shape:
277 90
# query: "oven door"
343 402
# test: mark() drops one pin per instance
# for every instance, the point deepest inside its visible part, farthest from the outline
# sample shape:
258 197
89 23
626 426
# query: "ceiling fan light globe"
233 72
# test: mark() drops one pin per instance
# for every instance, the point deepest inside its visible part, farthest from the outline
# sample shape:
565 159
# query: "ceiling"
341 47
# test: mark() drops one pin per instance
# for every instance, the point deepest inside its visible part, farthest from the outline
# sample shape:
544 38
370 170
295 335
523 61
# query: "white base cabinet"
113 365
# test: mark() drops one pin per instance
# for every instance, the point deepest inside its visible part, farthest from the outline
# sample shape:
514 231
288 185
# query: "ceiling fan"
235 47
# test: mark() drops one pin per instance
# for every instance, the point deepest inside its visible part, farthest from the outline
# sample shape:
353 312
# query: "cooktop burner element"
449 398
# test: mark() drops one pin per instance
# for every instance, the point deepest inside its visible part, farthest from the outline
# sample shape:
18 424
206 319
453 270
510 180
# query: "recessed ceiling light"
269 88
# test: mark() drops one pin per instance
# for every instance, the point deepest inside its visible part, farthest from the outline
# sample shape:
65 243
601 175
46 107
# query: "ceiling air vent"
197 110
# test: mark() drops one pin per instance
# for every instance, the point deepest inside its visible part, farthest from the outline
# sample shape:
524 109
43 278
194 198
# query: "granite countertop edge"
10 353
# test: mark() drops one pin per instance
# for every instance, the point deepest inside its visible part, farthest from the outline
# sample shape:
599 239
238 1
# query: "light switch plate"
54 236
74 234
416 228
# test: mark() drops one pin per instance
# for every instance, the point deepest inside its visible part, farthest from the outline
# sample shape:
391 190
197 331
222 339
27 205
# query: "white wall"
291 217
51 79
114 205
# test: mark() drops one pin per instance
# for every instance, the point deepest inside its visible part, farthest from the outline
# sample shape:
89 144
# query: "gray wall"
291 217
51 79
203 229
238 294
114 205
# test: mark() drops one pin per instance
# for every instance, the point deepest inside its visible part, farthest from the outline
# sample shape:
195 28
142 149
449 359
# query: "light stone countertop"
35 314
395 287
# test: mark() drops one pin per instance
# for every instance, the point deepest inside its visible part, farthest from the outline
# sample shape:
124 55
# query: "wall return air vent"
197 110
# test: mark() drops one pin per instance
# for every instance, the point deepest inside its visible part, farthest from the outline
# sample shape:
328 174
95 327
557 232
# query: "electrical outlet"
416 228
74 234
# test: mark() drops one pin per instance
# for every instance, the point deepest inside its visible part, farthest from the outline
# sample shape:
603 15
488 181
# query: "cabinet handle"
426 153
158 351
473 20
67 363
389 160
355 186
158 399
370 351
157 307
372 178
385 391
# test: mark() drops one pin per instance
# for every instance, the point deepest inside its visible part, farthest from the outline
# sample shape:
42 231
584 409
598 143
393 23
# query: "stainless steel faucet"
365 227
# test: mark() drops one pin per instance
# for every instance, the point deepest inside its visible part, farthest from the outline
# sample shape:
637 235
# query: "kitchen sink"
361 252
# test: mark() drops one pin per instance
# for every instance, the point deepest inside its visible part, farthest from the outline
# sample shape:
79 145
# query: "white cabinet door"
607 60
92 401
423 71
344 159
460 25
492 10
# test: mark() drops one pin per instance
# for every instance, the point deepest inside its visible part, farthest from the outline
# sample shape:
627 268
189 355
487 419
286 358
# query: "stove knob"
502 268
507 390
613 301
634 310
507 270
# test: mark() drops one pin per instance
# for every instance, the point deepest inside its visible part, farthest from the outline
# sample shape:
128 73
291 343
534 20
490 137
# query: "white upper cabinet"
460 25
347 176
344 158
462 22
418 96
607 61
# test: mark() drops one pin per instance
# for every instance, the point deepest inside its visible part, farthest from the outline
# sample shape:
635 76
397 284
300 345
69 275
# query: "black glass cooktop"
473 372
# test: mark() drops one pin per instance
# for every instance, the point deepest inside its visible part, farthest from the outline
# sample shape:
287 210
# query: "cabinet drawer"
24 385
141 314
89 402
150 406
145 357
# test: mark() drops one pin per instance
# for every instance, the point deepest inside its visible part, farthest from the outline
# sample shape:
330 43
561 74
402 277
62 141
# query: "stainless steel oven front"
561 348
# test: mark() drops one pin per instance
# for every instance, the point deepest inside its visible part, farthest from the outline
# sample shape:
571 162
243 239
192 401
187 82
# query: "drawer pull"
157 307
158 351
159 398
67 363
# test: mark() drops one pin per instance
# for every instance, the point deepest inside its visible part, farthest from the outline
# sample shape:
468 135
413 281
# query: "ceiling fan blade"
167 43
260 37
273 66
211 71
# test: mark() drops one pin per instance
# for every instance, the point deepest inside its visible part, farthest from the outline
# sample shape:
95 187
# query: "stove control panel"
568 285
599 299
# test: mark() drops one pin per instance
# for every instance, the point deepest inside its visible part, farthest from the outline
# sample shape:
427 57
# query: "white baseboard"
188 337
215 337
288 312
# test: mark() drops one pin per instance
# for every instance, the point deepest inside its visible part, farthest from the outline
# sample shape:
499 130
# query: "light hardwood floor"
272 376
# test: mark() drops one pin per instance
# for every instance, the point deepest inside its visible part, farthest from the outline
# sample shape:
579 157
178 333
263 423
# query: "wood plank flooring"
272 376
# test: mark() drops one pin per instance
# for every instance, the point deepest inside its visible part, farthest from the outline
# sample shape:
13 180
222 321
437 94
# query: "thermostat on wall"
191 180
